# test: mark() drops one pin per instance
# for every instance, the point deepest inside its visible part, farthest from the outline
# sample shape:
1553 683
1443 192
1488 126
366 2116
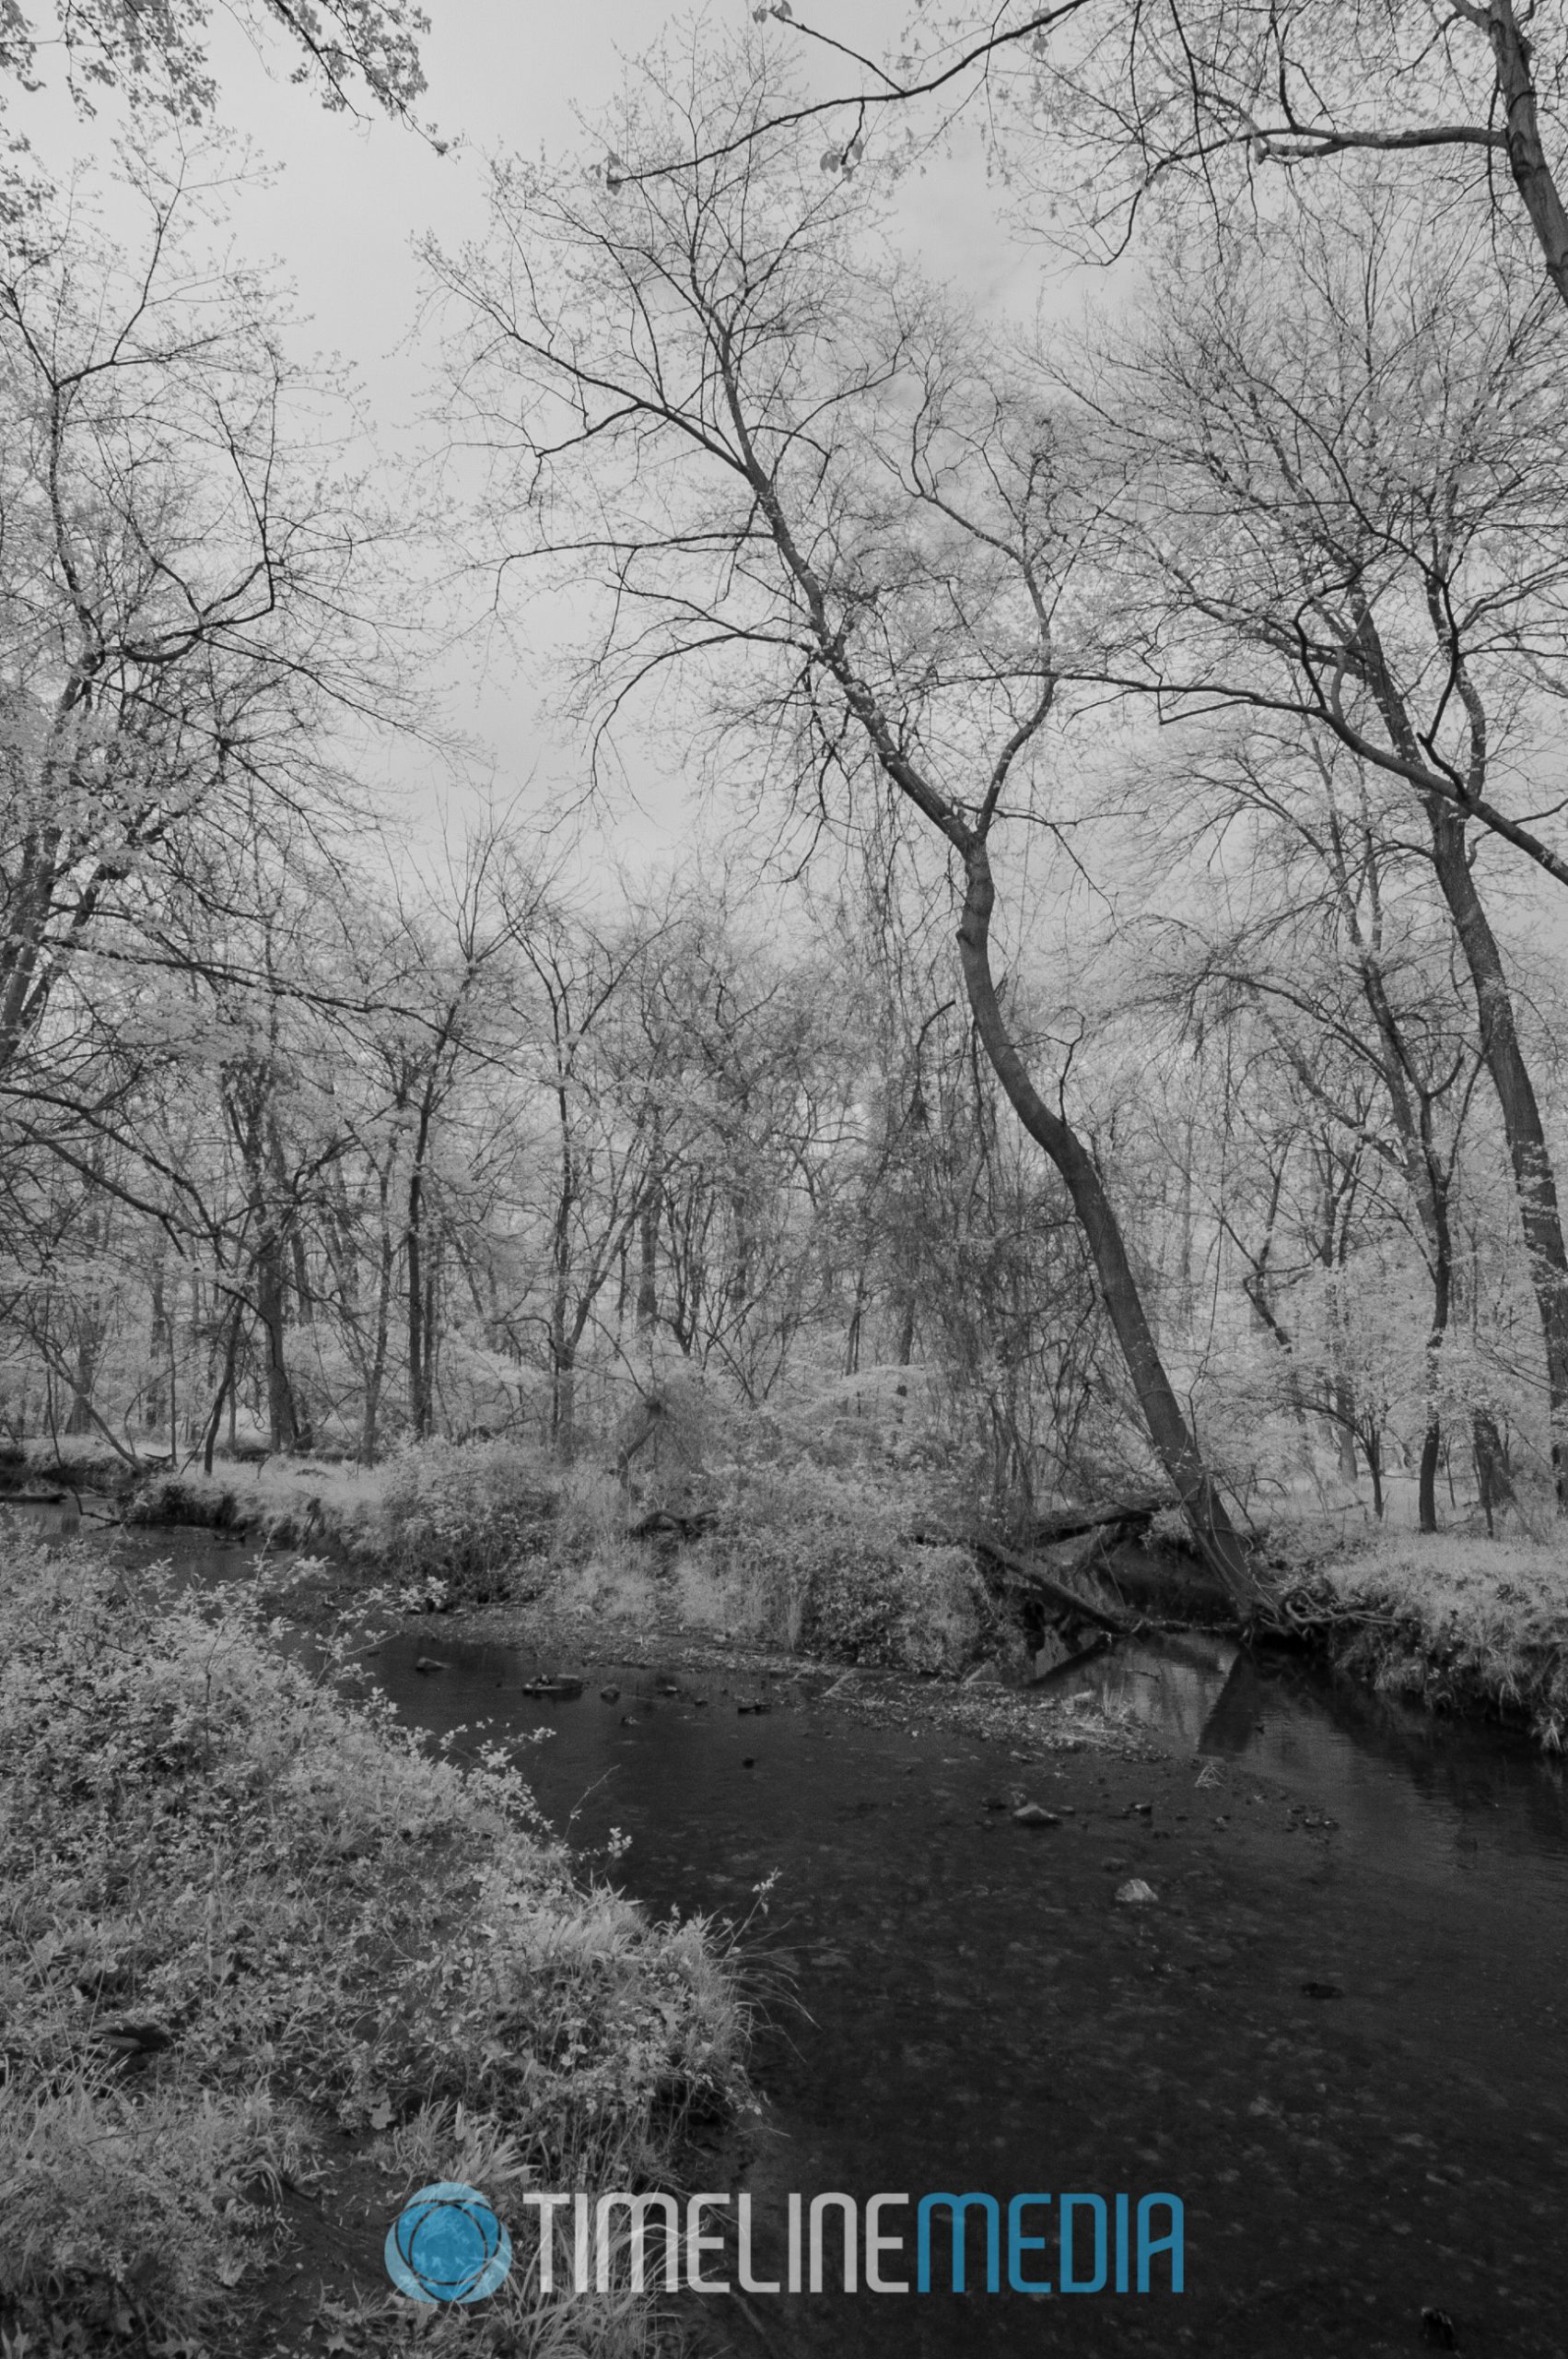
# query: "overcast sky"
351 198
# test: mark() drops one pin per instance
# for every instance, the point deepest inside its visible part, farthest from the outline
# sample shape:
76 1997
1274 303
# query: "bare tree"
1331 463
1105 110
154 53
1355 973
1334 503
803 481
179 585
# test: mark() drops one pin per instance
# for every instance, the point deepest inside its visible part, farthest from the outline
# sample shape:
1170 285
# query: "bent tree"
796 475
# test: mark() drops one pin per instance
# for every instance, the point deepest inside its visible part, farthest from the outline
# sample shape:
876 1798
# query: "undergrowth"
247 1927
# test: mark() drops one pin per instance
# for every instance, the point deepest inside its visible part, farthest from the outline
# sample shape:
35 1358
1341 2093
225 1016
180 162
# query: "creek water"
1338 2033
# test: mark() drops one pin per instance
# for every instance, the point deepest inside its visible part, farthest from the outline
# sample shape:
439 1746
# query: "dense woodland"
1191 648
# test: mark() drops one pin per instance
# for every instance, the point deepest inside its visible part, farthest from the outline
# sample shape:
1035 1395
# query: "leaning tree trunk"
1534 1179
1168 1429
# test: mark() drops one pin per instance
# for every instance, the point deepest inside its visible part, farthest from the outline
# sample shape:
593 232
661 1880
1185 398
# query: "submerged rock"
1135 1891
1031 1814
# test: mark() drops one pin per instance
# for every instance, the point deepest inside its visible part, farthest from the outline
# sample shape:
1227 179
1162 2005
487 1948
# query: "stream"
1339 2032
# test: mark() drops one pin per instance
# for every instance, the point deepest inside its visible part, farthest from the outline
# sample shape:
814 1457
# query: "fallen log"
1027 1572
1071 1523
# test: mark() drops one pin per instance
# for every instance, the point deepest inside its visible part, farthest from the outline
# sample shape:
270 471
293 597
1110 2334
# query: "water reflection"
1432 1795
1173 1684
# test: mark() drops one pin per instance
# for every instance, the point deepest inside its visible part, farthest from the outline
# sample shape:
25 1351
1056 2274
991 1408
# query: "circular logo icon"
446 2245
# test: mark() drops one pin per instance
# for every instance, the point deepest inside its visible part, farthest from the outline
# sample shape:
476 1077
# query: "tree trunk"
375 1373
906 1332
647 1256
1521 131
1372 1443
160 1337
1161 1411
286 1431
419 1337
1442 1291
90 1338
1534 1179
563 1404
1494 1482
224 1392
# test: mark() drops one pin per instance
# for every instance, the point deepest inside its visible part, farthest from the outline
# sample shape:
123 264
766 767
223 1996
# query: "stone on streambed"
1135 1891
429 1662
1031 1814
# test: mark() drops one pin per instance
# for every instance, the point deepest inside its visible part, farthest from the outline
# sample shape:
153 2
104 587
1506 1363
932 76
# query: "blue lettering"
958 2206
1069 2282
1018 2243
1148 2245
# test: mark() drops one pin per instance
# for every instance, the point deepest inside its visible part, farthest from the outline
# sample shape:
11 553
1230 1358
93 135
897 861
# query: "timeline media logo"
446 2244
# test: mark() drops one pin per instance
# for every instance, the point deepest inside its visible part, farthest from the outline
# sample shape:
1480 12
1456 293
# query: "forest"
783 911
1112 970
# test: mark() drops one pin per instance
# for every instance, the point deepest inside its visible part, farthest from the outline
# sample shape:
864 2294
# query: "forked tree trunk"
1168 1429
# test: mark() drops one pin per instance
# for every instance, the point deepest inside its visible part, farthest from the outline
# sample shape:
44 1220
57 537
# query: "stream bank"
1337 2032
1464 1624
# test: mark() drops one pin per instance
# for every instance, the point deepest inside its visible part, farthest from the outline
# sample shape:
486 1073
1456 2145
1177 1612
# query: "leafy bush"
474 1517
241 1916
826 1563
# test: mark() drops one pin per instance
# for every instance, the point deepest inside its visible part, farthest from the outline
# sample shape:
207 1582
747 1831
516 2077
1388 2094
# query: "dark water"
977 2011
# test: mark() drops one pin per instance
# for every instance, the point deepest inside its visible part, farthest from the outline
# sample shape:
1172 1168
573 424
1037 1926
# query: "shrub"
826 1564
474 1518
242 1916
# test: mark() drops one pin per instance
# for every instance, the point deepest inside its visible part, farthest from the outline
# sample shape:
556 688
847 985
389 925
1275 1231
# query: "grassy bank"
1455 1621
827 1560
259 1952
810 1559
